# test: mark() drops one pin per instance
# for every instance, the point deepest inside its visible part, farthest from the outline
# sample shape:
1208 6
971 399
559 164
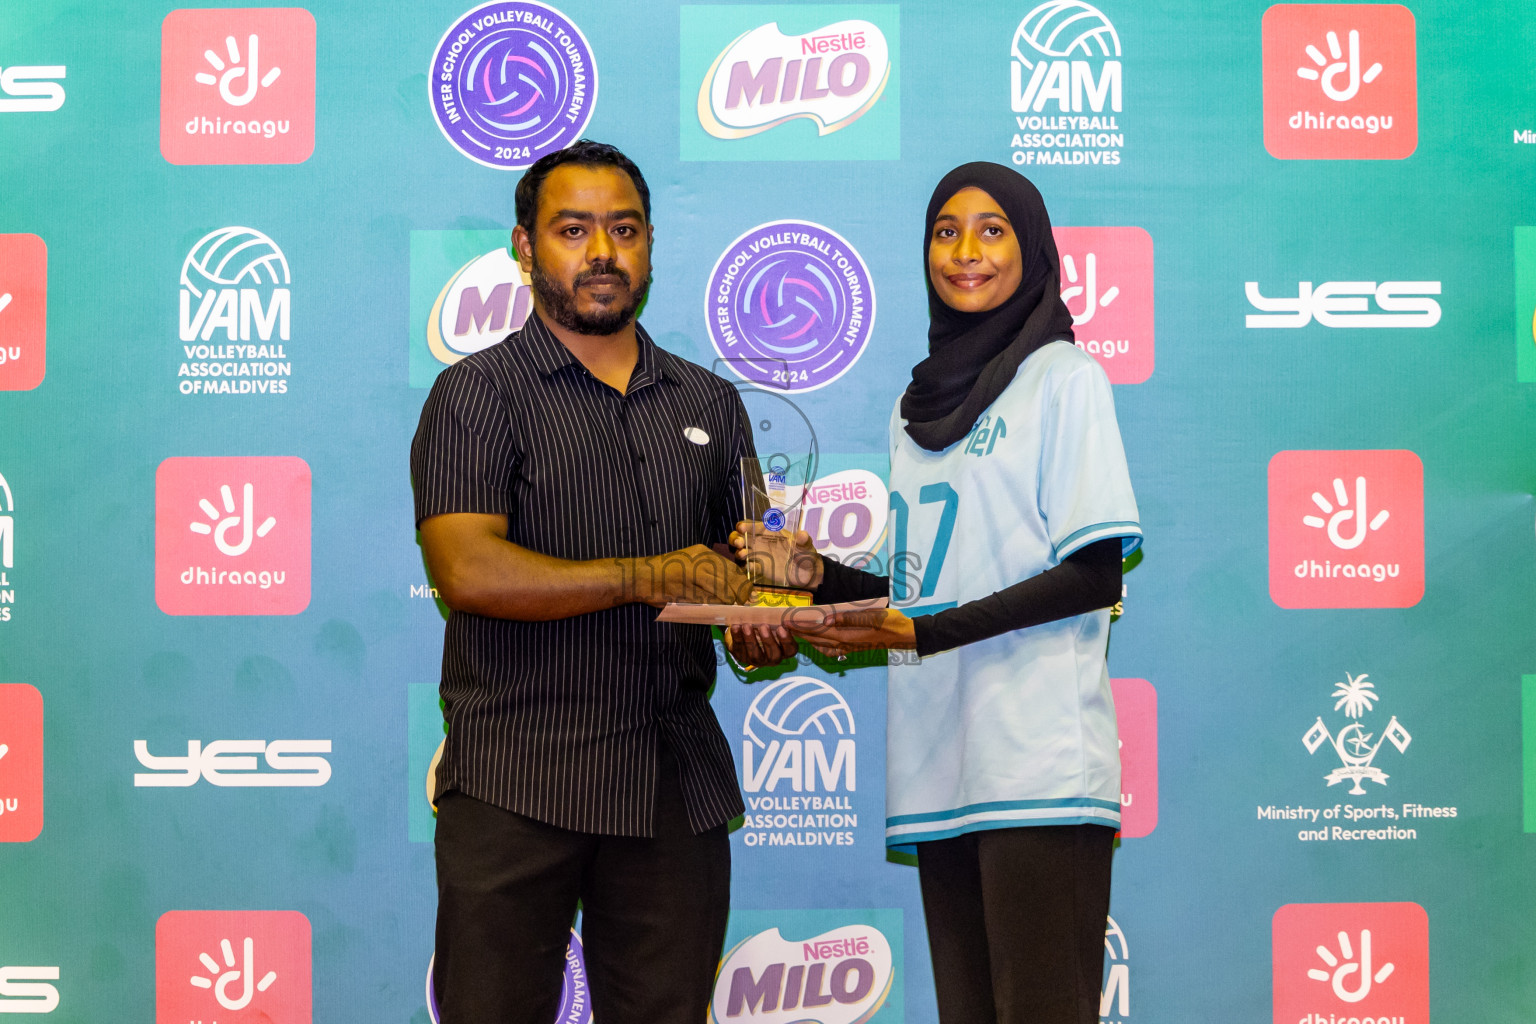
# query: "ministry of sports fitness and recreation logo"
467 293
790 306
1340 82
1525 304
510 81
810 967
232 965
825 73
1106 282
23 311
799 766
1338 962
234 316
575 1000
21 763
1346 529
7 550
1355 747
1066 86
232 536
237 86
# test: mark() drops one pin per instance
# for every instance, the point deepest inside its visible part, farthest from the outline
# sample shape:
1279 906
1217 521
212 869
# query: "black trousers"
653 914
1016 922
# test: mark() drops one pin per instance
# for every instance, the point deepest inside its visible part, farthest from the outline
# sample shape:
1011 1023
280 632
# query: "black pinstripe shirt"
561 721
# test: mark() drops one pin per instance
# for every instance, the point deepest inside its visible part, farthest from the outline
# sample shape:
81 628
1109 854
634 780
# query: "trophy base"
780 597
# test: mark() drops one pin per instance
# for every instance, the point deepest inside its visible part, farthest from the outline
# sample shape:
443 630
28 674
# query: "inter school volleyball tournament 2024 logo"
790 306
1346 529
810 967
232 536
1340 82
233 967
1066 86
467 293
511 81
237 86
1351 963
575 1001
23 311
234 316
21 763
799 766
1106 282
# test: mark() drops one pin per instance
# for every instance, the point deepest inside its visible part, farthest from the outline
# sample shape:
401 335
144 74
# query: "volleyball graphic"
1066 28
798 706
230 257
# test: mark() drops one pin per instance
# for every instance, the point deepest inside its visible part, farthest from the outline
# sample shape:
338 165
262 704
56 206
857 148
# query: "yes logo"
1106 282
233 763
233 967
1340 82
1346 529
26 989
237 86
1347 304
31 88
1366 961
232 536
23 311
1136 717
21 764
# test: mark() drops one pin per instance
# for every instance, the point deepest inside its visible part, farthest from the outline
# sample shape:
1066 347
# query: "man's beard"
560 303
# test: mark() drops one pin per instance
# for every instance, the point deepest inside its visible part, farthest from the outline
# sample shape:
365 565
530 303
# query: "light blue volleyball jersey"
1019 729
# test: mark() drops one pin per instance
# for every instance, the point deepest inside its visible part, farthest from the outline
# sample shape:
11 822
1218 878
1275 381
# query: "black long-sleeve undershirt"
1086 580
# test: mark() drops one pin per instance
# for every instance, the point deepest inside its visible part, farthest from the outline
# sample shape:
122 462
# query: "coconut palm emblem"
1353 744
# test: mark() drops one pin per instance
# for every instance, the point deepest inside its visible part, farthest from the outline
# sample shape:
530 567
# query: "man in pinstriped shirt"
568 481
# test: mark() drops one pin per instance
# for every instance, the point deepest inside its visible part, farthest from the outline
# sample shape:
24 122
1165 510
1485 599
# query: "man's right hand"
692 575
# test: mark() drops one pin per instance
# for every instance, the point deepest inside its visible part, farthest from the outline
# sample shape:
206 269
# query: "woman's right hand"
776 558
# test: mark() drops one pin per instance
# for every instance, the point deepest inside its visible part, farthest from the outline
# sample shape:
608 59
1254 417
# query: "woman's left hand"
845 633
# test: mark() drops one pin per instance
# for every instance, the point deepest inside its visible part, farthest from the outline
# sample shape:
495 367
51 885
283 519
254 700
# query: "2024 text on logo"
232 967
1340 82
1346 529
232 536
237 86
1337 962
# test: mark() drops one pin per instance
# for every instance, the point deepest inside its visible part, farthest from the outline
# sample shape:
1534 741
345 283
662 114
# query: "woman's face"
973 255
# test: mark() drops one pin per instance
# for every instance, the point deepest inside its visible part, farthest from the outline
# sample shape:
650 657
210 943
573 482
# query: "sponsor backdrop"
236 246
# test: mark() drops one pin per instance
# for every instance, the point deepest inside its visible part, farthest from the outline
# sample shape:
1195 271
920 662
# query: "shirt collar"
550 356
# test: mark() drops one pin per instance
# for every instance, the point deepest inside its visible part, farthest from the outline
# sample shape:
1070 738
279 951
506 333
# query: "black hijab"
972 357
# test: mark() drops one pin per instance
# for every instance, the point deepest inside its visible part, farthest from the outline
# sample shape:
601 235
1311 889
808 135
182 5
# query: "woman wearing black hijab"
1011 510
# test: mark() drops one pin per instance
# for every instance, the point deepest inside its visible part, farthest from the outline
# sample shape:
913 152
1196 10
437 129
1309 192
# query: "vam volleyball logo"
467 293
1351 962
1340 82
1115 997
1525 304
510 81
1067 86
836 967
799 766
1346 529
232 536
7 550
1136 717
790 306
575 1000
235 315
237 86
1106 282
23 312
233 966
21 763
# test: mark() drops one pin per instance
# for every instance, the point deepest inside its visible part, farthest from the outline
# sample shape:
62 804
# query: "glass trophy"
773 490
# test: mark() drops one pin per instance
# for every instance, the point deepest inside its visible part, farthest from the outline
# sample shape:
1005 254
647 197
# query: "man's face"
589 257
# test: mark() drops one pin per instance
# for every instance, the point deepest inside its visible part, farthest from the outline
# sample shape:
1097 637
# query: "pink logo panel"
23 312
232 536
237 86
1351 961
1340 82
1106 282
21 763
232 967
1346 529
1136 713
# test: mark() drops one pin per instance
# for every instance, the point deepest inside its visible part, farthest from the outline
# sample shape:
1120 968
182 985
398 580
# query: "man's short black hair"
584 153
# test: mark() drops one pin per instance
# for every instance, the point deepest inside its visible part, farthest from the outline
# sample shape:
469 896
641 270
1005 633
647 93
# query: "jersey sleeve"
463 456
1085 488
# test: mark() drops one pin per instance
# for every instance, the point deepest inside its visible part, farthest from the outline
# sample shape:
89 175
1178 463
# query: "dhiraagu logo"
1525 304
806 82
